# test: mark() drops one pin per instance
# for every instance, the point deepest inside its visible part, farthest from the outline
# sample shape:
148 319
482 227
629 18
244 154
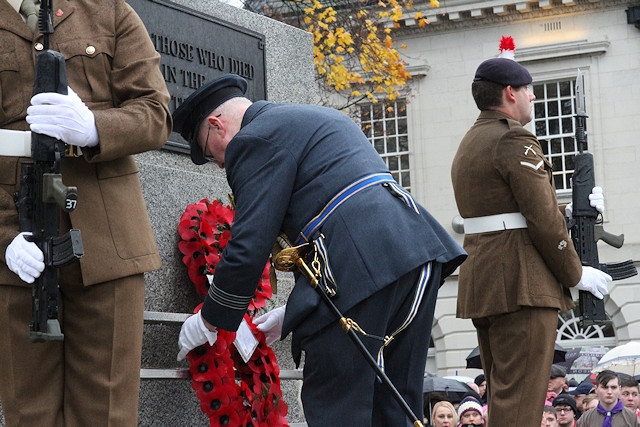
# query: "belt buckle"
72 151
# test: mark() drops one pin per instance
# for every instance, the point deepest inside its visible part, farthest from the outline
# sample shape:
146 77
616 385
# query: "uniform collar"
253 110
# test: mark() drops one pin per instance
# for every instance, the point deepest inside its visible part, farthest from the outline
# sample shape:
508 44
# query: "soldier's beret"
503 71
208 97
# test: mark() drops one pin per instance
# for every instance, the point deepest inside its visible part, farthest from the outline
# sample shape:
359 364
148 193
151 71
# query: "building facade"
554 39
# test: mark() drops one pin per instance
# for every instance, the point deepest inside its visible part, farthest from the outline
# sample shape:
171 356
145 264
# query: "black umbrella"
444 385
473 359
437 388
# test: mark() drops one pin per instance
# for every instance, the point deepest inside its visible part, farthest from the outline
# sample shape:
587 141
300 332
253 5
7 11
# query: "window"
554 123
385 124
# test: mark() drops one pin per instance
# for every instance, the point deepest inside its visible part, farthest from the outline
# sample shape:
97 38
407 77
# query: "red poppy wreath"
231 392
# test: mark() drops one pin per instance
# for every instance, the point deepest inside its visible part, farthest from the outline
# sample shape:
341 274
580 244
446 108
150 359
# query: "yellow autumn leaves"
353 48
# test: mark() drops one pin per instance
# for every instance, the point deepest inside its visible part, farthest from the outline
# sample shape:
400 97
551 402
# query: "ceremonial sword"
288 258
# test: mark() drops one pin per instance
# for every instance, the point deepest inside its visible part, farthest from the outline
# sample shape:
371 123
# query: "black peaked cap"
208 97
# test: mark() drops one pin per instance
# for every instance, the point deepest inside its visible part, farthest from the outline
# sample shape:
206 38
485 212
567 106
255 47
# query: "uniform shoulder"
503 119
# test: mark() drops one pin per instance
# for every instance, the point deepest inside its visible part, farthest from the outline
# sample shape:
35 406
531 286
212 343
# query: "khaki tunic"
500 168
113 67
92 377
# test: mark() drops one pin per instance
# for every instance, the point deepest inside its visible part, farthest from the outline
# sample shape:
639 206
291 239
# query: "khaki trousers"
92 378
517 353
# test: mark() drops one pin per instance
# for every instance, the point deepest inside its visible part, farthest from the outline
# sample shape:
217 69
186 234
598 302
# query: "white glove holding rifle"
594 281
596 200
24 258
64 117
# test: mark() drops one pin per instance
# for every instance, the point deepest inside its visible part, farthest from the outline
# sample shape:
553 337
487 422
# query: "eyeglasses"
208 157
560 410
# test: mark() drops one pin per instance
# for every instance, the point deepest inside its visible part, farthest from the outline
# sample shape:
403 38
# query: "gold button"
90 50
38 46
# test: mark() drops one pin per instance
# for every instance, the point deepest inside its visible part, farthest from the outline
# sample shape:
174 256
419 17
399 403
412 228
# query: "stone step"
159 317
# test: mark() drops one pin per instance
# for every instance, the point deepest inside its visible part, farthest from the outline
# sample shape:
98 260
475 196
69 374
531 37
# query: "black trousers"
341 389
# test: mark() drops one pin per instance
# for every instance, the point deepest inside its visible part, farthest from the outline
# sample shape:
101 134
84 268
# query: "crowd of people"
611 400
608 399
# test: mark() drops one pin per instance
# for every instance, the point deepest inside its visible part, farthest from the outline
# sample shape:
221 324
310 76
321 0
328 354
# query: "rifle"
42 193
586 225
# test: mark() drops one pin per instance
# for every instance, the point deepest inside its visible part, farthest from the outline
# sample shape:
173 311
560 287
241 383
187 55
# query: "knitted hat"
565 399
467 404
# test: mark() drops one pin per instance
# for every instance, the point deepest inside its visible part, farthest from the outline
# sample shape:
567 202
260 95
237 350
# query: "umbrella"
582 360
623 358
444 385
459 378
473 359
452 389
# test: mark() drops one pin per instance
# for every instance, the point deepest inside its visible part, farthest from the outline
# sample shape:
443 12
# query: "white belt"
15 143
485 224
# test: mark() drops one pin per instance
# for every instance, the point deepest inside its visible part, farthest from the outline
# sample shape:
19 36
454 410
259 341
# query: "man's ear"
509 92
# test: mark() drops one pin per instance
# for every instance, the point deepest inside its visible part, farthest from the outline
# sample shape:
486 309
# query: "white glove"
64 117
24 258
271 324
596 200
594 281
194 333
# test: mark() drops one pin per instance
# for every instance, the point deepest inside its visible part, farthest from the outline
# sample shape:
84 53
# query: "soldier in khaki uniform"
118 108
521 259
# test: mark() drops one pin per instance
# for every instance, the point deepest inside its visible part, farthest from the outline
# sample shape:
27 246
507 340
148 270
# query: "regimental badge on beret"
189 115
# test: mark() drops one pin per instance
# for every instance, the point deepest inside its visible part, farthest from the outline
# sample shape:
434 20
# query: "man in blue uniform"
311 173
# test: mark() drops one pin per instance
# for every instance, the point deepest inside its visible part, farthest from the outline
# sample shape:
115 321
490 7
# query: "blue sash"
344 195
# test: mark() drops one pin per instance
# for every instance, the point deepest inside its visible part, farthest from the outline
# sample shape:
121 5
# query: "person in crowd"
566 410
557 380
444 415
309 173
590 401
115 106
629 392
473 386
580 392
470 412
549 417
610 411
521 259
481 382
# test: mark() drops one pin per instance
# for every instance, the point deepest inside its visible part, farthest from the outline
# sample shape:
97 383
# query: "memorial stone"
198 40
